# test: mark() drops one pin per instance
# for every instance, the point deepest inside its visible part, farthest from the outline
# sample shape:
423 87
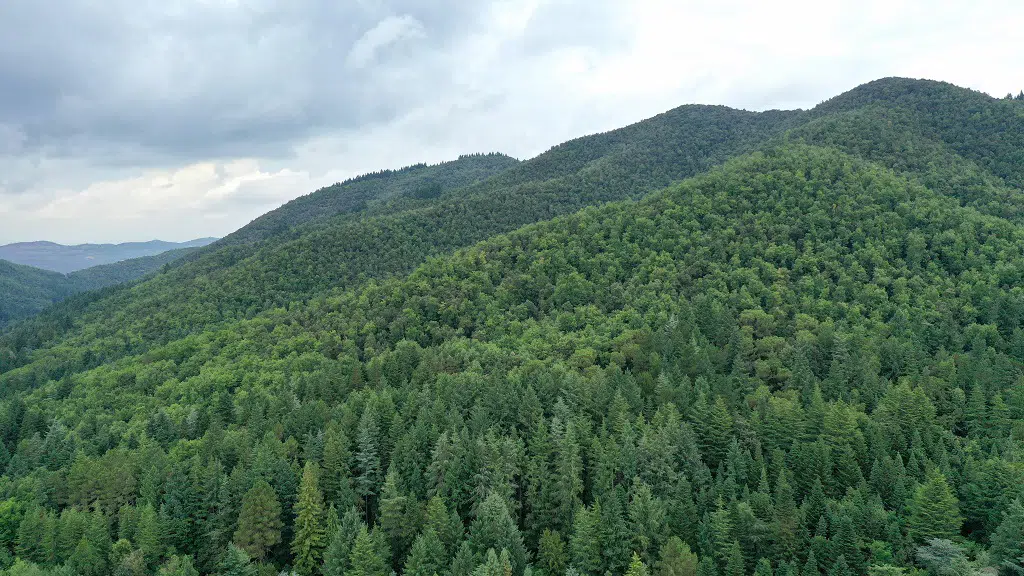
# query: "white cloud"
386 32
516 77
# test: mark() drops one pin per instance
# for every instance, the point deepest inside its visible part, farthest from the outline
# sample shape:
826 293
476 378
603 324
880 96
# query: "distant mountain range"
66 259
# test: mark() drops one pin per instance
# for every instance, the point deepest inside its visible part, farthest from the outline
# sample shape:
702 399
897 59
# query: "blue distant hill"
65 259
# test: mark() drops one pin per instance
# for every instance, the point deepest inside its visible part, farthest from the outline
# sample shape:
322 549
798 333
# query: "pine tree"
551 554
447 525
365 559
764 568
615 536
310 532
585 544
259 521
235 562
336 557
707 567
840 568
31 534
811 566
1008 539
636 567
676 559
734 565
934 511
714 428
494 528
395 517
787 519
845 543
368 462
494 565
86 560
427 555
178 566
337 479
147 537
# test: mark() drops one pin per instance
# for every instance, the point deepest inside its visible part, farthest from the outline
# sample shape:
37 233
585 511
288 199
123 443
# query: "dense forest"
775 344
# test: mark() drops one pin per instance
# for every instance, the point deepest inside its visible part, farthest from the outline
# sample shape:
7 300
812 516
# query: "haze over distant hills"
65 259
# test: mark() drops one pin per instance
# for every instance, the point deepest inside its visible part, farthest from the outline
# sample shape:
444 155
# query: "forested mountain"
65 259
805 361
24 290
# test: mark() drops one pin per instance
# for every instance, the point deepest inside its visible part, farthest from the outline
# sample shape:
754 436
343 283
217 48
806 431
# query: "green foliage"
310 531
934 511
809 356
259 522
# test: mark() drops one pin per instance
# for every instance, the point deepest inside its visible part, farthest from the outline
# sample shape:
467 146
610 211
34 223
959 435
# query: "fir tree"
552 557
235 562
259 521
365 559
584 544
1008 539
707 567
934 511
494 528
676 559
310 532
427 556
636 567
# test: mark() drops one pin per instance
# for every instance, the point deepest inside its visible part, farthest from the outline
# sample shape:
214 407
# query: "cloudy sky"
137 119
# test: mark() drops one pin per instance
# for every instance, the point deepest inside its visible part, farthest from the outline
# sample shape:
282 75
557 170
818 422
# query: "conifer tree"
336 479
259 521
427 555
1008 539
365 558
552 557
734 565
676 559
368 463
235 562
764 568
31 534
336 557
494 528
585 544
396 518
178 566
707 567
636 567
934 510
148 536
310 532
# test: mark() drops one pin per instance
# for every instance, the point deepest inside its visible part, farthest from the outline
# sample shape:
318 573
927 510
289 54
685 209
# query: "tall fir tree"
934 511
259 521
310 522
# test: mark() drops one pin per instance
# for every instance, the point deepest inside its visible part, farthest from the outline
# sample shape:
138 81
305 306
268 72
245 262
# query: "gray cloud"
191 80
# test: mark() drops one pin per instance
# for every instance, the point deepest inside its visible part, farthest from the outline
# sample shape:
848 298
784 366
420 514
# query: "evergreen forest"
712 343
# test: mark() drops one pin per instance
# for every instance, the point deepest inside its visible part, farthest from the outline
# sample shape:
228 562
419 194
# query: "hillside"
238 278
25 291
806 358
66 259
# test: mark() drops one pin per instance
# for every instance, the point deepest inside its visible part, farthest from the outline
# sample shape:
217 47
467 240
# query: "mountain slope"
266 265
66 259
235 279
798 342
25 291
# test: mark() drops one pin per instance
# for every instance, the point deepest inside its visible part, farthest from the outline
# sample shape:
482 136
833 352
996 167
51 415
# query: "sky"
129 120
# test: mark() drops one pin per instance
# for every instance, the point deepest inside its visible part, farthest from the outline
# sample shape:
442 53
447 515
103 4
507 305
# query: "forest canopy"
714 343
